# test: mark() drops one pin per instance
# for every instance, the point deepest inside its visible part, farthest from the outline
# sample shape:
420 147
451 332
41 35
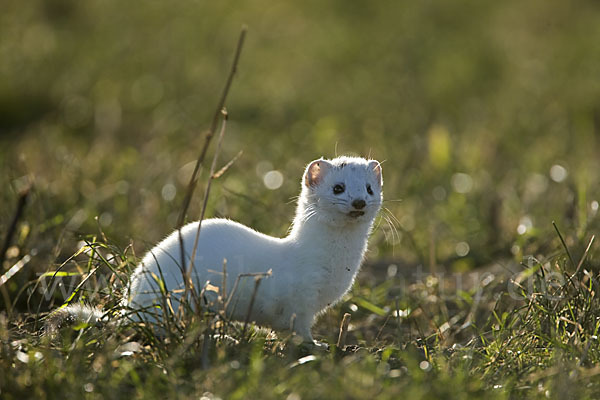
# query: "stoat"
306 272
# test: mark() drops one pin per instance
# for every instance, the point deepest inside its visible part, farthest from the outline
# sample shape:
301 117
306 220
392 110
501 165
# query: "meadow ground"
482 273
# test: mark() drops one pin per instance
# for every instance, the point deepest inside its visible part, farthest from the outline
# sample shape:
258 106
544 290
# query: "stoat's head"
345 190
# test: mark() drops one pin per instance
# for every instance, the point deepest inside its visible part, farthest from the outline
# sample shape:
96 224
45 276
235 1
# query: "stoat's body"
310 269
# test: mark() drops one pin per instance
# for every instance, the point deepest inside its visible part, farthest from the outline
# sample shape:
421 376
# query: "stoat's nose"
359 204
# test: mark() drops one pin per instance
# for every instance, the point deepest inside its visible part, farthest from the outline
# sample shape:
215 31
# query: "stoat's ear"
315 172
376 167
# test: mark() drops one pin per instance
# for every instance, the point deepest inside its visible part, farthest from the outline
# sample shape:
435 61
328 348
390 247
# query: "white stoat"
311 268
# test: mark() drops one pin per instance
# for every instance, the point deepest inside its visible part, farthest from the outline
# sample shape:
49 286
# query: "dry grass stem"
213 166
194 178
257 280
220 105
341 342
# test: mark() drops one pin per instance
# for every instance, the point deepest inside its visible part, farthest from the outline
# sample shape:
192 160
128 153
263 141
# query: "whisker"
310 210
344 203
311 206
308 216
293 199
378 224
391 214
398 233
395 235
392 221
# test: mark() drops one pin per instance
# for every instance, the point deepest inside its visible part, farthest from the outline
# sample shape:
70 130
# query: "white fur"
74 312
311 268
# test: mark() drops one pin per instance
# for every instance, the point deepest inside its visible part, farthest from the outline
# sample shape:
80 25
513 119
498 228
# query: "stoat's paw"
312 346
320 345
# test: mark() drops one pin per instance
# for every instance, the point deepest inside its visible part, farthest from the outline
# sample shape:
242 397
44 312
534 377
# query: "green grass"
533 336
486 116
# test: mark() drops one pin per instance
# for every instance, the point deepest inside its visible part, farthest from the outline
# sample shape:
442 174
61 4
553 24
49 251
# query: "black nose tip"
359 204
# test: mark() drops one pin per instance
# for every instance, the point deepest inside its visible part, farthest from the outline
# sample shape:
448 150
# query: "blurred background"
486 116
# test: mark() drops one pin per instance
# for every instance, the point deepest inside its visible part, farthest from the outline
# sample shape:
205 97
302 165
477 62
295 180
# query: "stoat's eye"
339 188
369 190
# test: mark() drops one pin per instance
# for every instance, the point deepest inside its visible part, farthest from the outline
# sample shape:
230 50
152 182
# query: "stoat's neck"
315 230
318 233
330 254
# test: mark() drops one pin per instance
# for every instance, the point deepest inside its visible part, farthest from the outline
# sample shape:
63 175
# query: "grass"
486 118
532 336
